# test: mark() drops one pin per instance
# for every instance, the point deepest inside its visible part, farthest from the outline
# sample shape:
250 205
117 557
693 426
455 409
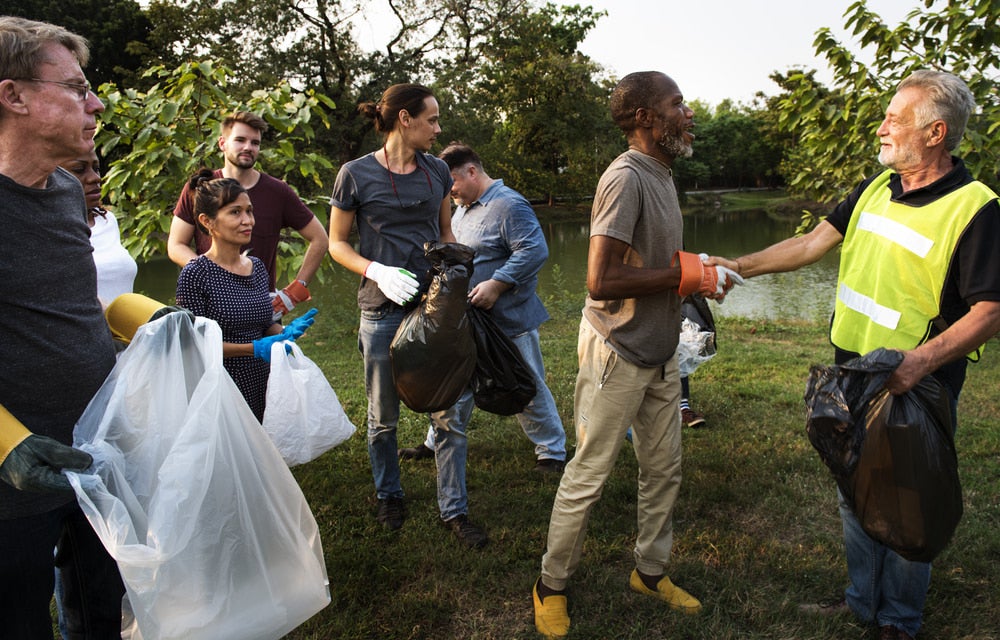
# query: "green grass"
756 526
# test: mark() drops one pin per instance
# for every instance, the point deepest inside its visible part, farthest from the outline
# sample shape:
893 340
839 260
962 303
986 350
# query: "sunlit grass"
756 527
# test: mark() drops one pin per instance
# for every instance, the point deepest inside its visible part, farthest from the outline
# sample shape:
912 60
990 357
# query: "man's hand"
712 282
484 295
910 371
286 299
36 463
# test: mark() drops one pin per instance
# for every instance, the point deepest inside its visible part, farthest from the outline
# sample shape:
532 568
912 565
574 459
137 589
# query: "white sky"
718 49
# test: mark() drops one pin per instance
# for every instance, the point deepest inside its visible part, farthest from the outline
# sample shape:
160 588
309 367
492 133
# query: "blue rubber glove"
262 346
298 326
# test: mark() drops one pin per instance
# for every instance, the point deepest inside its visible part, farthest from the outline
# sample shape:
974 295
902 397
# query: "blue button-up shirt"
510 247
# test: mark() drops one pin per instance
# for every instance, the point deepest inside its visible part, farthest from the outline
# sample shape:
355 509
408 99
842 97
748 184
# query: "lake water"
806 294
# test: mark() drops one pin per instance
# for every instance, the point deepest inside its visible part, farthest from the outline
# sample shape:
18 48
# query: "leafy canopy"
834 127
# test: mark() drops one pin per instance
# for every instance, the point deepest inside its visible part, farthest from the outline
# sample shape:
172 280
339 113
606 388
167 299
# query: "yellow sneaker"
551 618
667 591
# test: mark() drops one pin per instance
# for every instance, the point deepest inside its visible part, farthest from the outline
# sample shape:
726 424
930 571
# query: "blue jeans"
92 587
540 420
375 334
885 588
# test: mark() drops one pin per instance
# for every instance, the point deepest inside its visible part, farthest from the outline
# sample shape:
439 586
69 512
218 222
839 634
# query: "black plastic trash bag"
433 353
892 456
837 399
502 382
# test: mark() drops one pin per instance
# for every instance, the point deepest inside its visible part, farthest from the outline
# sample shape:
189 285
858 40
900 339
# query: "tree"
160 137
834 127
732 149
548 115
116 30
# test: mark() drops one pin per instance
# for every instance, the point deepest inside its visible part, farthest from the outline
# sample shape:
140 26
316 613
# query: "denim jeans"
375 334
92 587
884 588
540 419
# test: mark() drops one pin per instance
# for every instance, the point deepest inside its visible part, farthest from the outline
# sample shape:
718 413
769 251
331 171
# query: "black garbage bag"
837 399
433 353
502 382
893 456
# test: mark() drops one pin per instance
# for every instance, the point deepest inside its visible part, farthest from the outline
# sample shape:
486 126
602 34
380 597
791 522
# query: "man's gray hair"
950 100
22 44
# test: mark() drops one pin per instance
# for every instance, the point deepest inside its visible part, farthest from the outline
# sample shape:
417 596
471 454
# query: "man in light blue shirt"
500 225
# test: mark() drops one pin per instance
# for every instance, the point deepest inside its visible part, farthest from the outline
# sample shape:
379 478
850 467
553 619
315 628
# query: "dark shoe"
692 419
550 465
470 534
828 608
887 632
391 513
419 452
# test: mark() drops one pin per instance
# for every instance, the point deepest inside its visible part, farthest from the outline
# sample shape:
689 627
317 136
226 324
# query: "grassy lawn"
756 527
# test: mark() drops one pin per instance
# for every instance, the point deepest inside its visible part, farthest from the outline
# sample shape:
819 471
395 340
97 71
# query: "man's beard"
674 145
898 158
243 161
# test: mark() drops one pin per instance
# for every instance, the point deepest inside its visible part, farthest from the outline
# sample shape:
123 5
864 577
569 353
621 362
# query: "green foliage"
732 149
115 29
834 127
551 113
158 138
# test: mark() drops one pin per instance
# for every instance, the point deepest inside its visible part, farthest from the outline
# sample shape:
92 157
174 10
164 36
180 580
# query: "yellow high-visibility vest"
893 265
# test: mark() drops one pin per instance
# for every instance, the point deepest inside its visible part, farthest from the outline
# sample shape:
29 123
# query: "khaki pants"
612 395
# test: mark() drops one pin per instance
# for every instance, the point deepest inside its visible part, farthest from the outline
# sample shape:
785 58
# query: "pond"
806 294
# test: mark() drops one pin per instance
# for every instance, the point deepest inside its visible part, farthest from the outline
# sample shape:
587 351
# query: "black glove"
35 464
162 311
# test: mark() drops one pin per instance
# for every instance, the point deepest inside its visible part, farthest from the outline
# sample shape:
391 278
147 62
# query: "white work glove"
726 277
398 284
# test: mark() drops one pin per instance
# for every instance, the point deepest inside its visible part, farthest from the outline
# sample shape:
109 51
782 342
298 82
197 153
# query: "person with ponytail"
398 196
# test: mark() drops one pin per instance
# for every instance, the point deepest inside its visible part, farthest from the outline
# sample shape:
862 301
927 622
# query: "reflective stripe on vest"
893 265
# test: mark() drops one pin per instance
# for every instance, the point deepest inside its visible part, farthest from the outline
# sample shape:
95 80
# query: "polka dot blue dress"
242 307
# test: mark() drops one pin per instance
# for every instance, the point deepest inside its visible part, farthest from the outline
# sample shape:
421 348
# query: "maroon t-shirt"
275 207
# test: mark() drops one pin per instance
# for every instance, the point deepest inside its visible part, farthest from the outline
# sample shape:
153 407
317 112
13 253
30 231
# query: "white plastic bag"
211 533
303 416
694 348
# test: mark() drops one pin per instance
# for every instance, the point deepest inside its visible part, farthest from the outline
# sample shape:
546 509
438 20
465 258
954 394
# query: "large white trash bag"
212 535
303 416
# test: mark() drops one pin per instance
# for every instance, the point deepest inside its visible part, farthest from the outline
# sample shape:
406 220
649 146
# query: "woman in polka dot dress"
230 287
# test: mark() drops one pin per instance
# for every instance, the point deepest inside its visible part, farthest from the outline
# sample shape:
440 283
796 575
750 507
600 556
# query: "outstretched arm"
787 255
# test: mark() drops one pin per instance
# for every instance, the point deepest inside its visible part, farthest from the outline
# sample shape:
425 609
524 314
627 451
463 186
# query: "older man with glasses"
56 348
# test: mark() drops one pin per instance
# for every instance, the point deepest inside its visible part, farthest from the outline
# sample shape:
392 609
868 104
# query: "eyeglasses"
82 90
